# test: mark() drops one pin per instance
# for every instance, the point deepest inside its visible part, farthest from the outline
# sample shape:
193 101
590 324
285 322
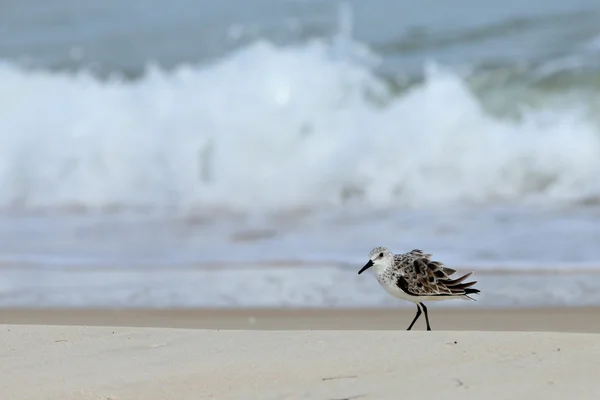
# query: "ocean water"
244 154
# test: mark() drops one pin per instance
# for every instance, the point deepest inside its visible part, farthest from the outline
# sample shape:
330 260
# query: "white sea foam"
279 128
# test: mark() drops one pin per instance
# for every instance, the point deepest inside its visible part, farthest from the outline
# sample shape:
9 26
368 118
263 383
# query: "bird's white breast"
390 286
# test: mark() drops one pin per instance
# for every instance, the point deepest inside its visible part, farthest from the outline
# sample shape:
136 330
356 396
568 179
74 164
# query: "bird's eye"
380 255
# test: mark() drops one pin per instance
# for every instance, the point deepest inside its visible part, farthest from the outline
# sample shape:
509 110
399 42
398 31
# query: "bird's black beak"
366 267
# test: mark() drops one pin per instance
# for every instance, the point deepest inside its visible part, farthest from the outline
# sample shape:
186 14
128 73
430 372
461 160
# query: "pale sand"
40 362
292 354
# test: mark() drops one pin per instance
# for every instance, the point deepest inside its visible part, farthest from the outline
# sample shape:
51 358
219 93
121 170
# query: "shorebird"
413 276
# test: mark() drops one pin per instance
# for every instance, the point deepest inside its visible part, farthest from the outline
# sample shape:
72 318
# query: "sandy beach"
300 354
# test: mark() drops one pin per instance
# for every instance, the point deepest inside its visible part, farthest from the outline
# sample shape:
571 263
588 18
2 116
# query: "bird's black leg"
416 317
426 316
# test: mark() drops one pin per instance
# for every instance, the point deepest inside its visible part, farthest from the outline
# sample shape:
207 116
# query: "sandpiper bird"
414 277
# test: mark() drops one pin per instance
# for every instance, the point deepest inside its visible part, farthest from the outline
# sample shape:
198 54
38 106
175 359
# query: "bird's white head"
381 258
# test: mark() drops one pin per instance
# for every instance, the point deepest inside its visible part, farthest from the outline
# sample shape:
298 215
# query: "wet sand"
441 318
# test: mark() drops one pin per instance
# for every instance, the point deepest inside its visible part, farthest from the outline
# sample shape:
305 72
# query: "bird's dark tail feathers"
469 291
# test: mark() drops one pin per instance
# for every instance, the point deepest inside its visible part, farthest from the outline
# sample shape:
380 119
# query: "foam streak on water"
315 287
521 258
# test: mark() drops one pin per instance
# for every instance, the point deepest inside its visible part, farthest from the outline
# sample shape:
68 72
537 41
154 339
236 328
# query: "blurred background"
251 153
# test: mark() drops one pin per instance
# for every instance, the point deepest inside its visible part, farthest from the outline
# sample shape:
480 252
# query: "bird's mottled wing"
420 276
